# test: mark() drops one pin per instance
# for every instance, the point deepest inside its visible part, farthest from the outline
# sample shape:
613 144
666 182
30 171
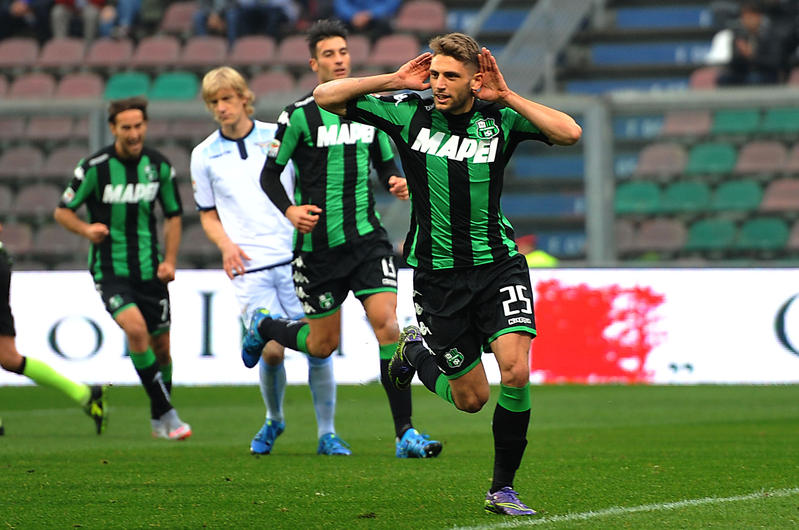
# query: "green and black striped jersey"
331 158
455 167
122 194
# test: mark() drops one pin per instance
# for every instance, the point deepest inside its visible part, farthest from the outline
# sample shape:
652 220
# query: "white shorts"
269 288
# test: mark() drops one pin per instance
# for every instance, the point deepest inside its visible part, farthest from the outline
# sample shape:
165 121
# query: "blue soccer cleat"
505 501
265 439
330 444
413 444
253 344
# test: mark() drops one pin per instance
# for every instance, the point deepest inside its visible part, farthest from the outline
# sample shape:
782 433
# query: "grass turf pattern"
598 457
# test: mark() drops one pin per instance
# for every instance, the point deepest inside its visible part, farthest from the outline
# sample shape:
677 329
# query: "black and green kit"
455 167
331 158
122 194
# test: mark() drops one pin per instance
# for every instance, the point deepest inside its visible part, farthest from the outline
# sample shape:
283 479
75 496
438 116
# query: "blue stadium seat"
650 53
663 17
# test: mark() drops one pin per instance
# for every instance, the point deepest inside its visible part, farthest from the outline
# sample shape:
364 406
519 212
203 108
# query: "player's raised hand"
493 87
398 187
412 75
96 232
233 260
303 217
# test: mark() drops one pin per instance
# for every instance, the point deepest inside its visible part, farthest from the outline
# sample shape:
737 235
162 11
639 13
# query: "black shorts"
460 312
151 297
6 318
322 279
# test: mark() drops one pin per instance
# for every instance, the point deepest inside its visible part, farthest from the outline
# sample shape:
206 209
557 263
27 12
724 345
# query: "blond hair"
459 46
226 77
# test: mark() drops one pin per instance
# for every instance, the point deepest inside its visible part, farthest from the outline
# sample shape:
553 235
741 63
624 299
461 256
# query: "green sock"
387 350
443 389
302 337
142 360
514 399
166 372
44 375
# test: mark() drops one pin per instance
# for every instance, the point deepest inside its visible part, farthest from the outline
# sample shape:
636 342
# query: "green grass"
595 454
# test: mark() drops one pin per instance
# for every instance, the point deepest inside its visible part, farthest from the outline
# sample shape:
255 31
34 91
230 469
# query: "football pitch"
598 457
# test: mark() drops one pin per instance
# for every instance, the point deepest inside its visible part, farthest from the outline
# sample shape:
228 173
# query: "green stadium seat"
711 234
711 158
783 120
685 197
738 121
127 84
637 197
763 233
175 86
737 195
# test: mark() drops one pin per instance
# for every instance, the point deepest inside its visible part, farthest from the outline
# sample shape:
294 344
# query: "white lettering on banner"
455 148
130 193
696 345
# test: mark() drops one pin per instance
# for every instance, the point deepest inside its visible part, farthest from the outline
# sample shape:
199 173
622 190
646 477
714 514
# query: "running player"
471 286
120 185
340 245
255 241
90 398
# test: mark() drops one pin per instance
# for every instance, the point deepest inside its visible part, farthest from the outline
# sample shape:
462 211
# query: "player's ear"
476 83
314 64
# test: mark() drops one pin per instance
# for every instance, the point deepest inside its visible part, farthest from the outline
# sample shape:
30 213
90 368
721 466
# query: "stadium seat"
624 235
662 160
158 129
158 51
270 82
3 85
40 85
685 196
252 51
761 157
127 84
49 128
704 78
307 82
793 237
711 158
80 85
52 242
6 201
37 201
195 245
19 163
63 54
781 121
737 195
18 53
781 195
421 16
391 51
183 86
711 234
792 164
61 163
686 123
178 18
293 52
109 53
203 52
186 193
793 77
12 128
179 158
17 238
191 130
736 121
637 197
666 235
359 48
763 233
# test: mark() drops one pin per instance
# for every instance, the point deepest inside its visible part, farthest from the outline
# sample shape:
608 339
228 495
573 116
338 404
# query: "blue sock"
273 388
323 391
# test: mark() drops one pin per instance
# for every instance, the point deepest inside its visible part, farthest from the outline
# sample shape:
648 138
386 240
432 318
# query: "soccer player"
340 245
255 241
90 398
471 286
120 185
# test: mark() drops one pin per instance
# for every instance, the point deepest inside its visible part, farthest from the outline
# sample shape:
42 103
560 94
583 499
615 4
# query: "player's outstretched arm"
334 95
558 126
94 232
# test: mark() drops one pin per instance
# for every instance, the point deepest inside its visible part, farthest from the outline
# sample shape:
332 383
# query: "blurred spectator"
118 18
535 257
372 17
237 18
755 46
69 14
19 17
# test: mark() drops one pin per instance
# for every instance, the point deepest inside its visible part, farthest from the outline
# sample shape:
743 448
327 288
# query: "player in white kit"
255 240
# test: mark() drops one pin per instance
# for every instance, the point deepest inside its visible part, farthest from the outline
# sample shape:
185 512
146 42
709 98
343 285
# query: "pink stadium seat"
393 50
704 78
64 53
793 237
3 85
37 200
178 18
192 130
157 129
52 242
624 234
156 51
293 52
271 81
781 195
11 127
18 52
43 128
308 82
661 159
34 85
179 158
20 163
61 163
109 53
80 85
359 48
203 52
421 16
660 234
686 123
252 51
764 157
17 238
6 200
792 164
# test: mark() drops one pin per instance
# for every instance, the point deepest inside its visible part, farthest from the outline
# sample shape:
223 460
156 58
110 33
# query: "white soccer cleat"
171 427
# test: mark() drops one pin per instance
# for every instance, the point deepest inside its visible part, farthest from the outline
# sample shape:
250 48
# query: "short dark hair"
120 105
459 46
324 29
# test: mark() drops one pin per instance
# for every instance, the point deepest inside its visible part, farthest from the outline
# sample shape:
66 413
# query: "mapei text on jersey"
456 148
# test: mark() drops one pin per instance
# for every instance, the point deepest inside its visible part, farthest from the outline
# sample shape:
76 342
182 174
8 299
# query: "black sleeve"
270 183
384 168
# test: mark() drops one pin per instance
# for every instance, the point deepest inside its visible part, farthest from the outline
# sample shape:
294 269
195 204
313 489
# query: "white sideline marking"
621 510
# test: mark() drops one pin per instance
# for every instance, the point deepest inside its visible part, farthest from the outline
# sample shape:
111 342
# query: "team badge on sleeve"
274 147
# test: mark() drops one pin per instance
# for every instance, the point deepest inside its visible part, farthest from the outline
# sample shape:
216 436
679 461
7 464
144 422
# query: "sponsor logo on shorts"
454 358
520 320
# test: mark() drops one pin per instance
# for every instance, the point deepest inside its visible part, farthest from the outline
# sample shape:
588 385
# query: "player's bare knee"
323 347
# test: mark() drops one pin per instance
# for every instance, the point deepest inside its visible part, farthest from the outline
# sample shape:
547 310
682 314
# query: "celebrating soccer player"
471 286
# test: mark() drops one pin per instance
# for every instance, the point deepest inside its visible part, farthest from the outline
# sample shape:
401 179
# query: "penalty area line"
523 522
